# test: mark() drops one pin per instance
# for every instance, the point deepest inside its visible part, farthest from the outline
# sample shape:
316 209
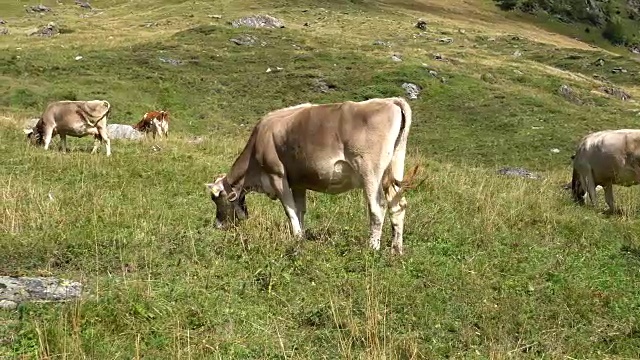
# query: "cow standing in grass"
330 148
606 158
156 122
72 118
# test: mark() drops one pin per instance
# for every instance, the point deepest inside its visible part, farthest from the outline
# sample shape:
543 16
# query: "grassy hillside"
495 267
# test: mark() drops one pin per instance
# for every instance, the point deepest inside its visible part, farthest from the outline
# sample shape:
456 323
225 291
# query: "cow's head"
230 204
33 136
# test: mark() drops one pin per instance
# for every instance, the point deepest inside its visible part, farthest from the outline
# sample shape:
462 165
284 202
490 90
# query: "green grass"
495 267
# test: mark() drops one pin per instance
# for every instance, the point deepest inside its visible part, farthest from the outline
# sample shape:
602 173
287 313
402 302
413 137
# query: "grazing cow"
156 122
73 118
330 148
606 158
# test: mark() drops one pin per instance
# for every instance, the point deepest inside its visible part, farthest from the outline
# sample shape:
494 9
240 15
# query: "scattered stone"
31 123
258 21
396 58
381 43
412 90
120 131
173 62
488 77
462 31
37 289
196 140
156 148
433 73
445 40
520 172
518 72
276 69
438 57
616 92
215 16
422 25
50 29
517 53
569 94
617 70
555 151
38 8
244 39
443 80
320 85
516 38
83 4
2 22
4 31
599 62
635 49
306 24
8 305
491 39
78 57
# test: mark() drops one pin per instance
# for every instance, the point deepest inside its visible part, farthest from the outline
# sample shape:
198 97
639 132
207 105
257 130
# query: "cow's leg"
47 134
105 138
375 202
63 141
608 196
591 188
300 199
284 193
397 212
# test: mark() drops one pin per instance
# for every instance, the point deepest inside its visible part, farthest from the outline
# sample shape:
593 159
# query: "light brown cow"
73 118
156 122
606 158
330 148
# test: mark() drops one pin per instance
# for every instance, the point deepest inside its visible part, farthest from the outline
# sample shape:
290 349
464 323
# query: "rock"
215 16
520 172
433 73
37 289
78 57
569 94
258 21
306 24
8 305
555 151
422 25
518 72
438 57
196 140
516 38
617 70
2 22
412 90
119 131
50 30
599 62
276 69
462 31
517 53
396 58
173 62
446 40
616 92
320 85
488 77
244 39
83 4
31 123
381 43
443 80
38 8
634 49
4 31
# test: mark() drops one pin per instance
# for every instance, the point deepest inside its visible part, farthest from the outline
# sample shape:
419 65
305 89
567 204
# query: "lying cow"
72 118
605 158
330 148
156 122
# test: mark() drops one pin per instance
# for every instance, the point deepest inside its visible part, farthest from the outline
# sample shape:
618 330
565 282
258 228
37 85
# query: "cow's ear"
105 104
213 188
233 195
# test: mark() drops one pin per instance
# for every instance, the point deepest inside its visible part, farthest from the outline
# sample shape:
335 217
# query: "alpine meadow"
494 266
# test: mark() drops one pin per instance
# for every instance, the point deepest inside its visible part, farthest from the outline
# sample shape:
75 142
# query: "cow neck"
237 174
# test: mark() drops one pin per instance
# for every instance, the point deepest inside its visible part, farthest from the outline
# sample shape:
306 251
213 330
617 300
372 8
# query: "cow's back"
610 155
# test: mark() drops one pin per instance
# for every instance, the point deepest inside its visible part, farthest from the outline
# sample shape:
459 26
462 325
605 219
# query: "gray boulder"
16 290
258 21
120 131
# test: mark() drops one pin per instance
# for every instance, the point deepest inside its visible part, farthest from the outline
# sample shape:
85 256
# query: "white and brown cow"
606 158
330 148
156 122
72 118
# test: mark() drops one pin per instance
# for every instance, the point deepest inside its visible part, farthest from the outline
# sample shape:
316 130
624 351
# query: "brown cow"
606 158
330 148
73 118
156 122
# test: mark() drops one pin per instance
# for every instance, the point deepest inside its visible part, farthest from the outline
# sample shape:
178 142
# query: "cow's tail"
395 172
577 187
